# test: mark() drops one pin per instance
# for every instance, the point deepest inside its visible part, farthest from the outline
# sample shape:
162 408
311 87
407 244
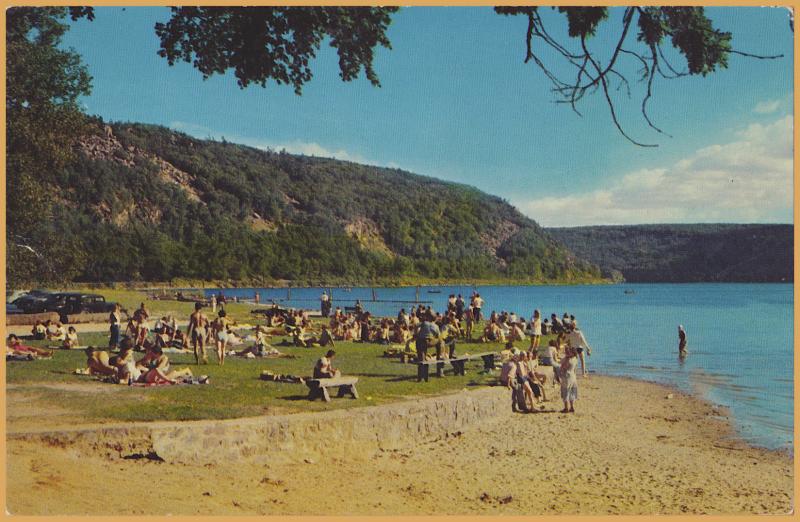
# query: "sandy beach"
628 450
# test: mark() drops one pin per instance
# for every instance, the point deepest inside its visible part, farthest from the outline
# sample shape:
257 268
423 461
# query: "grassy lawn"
131 299
235 389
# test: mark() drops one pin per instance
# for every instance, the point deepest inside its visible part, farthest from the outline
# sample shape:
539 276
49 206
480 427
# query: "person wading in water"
682 351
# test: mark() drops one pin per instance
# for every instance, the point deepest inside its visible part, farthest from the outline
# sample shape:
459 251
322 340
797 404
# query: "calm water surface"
740 336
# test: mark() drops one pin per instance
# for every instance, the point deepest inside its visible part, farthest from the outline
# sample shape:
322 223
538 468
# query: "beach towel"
185 381
24 357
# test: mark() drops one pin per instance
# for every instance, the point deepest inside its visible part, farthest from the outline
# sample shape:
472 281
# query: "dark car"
69 303
32 302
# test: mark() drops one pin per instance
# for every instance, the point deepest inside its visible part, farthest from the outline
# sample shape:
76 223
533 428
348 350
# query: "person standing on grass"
428 334
477 304
140 317
324 304
115 328
219 332
460 307
569 380
469 320
197 333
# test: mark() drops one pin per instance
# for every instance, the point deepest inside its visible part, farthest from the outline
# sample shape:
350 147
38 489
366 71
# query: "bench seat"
319 387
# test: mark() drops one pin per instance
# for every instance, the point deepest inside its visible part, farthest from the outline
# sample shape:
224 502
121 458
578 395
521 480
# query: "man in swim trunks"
98 362
198 330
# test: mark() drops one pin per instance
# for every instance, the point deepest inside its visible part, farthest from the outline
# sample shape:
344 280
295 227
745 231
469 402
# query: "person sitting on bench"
324 368
449 335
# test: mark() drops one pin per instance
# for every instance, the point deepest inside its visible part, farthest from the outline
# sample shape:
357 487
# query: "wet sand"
628 450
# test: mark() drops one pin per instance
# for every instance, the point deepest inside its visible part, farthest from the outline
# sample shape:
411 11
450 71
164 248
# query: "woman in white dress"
569 380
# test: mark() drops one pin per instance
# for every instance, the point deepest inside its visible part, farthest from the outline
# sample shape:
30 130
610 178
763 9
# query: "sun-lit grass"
131 299
236 389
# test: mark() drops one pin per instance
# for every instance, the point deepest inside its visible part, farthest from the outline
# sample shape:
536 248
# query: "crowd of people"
153 368
422 331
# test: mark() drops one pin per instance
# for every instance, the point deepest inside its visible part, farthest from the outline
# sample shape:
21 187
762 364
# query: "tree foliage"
43 84
686 253
265 215
704 48
274 43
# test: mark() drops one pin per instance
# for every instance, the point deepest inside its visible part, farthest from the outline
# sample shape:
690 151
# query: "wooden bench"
488 360
423 367
319 387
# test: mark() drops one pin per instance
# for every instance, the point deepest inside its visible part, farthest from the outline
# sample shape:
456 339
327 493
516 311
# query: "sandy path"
616 455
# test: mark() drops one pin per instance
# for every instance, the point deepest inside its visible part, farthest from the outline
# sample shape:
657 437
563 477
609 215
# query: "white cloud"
308 148
746 180
767 106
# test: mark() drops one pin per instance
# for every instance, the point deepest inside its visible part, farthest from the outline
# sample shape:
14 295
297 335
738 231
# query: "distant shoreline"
202 285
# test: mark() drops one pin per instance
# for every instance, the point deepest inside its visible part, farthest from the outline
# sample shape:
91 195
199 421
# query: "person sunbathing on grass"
127 371
325 338
98 362
324 368
261 346
156 368
302 339
56 332
14 346
130 329
516 333
71 340
39 331
492 333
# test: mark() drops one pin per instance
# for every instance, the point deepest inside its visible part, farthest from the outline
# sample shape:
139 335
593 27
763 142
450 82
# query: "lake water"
740 336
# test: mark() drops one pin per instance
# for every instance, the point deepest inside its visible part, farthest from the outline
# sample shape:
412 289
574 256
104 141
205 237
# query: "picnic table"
319 387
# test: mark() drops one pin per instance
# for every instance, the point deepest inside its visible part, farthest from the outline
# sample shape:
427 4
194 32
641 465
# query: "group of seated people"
55 331
152 368
276 316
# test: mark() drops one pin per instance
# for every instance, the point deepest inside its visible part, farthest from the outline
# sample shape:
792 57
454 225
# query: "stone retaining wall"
30 319
292 437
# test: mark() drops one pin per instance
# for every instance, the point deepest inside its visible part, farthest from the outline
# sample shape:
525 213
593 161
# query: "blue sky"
458 103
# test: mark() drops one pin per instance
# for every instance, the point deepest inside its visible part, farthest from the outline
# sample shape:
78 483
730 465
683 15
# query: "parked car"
11 308
69 303
31 302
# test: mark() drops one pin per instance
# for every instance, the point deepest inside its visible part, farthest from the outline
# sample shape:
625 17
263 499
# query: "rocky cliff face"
105 146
